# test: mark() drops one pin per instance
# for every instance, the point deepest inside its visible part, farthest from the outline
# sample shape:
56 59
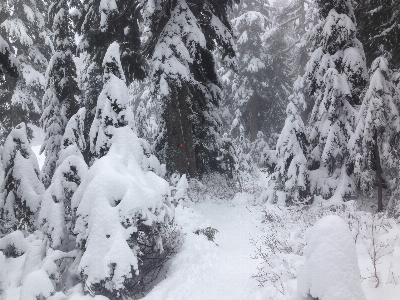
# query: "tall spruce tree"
101 23
61 100
261 86
22 26
291 182
184 34
378 123
335 77
9 66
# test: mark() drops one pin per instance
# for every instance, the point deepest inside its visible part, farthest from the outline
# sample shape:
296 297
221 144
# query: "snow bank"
331 271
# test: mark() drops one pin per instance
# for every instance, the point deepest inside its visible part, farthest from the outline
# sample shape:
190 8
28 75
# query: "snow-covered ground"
213 271
203 270
222 269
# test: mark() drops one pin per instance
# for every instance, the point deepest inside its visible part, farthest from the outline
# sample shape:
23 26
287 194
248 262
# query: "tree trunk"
180 152
378 171
254 104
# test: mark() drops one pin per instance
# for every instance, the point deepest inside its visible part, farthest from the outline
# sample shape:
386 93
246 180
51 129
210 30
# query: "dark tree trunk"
255 115
180 156
378 171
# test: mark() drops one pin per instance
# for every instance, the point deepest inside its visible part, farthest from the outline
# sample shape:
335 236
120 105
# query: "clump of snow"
331 271
36 285
16 240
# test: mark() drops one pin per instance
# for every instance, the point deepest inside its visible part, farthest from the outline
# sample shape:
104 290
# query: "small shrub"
209 232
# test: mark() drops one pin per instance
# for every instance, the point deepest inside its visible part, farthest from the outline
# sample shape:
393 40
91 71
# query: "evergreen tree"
22 186
101 23
56 216
60 101
291 182
8 65
379 29
184 34
22 26
378 123
113 108
261 87
334 79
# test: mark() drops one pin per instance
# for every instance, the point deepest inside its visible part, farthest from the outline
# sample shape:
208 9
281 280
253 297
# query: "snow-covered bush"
179 187
331 269
282 244
124 220
211 186
280 249
22 188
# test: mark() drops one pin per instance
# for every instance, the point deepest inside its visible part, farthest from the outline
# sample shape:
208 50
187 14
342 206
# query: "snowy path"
204 271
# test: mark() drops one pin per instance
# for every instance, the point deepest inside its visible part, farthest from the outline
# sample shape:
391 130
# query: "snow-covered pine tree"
335 77
378 122
60 101
261 87
113 107
21 185
291 183
241 145
22 26
56 216
123 215
9 66
184 34
101 23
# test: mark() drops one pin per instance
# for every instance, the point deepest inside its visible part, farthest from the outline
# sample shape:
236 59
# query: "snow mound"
331 271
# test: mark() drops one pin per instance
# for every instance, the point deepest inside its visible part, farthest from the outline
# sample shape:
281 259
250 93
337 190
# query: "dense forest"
130 129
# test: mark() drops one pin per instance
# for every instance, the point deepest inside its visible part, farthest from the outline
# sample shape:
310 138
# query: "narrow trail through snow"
203 270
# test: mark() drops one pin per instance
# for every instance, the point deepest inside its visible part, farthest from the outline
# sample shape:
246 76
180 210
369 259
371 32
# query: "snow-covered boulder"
331 269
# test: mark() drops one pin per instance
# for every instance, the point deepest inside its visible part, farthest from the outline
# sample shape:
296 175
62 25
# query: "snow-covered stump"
331 269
